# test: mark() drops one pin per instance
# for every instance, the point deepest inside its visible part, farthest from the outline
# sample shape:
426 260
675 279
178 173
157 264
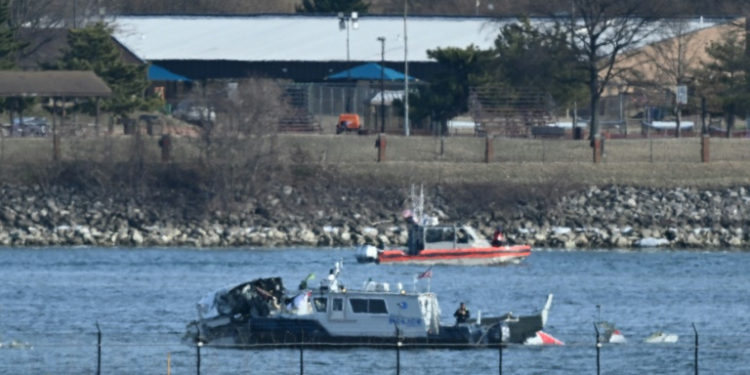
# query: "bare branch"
600 31
236 147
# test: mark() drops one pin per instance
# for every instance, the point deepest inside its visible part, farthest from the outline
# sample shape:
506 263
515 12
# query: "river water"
52 300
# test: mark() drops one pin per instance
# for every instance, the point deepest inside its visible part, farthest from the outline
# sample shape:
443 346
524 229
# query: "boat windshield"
439 234
471 235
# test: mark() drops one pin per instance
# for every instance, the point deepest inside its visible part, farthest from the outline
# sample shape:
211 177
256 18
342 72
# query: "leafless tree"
42 22
675 59
425 7
237 147
202 6
600 31
446 7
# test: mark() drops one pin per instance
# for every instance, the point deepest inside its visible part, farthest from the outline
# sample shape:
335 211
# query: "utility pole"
382 83
344 24
406 74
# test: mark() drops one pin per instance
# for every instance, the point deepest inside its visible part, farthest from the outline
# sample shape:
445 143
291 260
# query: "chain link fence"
361 149
352 148
167 353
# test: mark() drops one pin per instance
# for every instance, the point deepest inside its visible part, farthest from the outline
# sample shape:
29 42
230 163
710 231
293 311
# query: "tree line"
573 61
70 12
576 57
88 48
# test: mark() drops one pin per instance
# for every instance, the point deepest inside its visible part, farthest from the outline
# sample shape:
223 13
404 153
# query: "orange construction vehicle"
348 122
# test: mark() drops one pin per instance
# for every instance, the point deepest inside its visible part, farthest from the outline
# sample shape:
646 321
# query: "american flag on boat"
425 274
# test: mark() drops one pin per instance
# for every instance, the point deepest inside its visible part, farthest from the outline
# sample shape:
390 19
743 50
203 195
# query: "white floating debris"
652 242
661 337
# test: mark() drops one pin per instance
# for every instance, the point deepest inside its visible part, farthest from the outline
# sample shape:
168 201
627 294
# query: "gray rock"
136 237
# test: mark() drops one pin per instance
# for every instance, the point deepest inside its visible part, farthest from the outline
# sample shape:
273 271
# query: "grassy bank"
713 175
425 159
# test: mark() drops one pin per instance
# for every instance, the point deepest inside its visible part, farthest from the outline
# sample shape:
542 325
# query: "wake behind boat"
430 243
262 312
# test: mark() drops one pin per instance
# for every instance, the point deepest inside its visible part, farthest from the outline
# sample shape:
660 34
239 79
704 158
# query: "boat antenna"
339 266
417 203
421 201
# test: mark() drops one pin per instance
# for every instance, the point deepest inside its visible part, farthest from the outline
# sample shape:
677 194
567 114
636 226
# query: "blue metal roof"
371 72
157 73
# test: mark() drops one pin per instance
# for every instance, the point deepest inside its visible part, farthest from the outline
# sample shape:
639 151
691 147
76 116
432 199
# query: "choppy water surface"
142 299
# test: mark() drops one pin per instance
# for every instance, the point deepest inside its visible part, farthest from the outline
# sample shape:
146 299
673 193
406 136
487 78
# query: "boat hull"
270 332
470 256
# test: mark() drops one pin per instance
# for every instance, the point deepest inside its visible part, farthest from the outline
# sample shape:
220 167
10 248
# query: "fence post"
544 151
604 140
380 144
489 151
705 149
166 148
198 357
597 149
398 351
500 359
98 350
598 348
696 349
651 150
302 355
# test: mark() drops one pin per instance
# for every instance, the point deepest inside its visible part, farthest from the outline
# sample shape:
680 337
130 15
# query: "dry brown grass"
720 174
676 162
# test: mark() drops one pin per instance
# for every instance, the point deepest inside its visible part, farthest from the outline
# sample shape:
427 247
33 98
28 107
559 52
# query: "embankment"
326 214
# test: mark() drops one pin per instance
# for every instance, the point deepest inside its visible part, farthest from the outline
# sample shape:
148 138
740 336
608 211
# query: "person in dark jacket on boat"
462 314
497 238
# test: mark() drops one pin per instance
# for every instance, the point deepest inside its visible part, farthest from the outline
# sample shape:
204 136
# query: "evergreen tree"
528 57
723 81
447 96
9 45
333 6
9 49
92 48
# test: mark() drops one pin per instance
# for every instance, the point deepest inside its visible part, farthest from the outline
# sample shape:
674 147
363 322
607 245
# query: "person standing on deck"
497 238
462 314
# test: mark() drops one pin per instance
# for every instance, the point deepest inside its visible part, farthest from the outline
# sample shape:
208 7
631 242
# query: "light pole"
382 83
344 21
406 75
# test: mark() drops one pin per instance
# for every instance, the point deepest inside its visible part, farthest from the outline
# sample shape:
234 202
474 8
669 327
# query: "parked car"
30 127
190 112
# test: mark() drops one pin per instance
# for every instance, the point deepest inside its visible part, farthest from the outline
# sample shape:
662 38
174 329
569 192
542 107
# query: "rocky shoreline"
609 217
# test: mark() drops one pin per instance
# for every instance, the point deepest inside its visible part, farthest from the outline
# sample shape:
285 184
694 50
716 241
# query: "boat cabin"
374 309
443 237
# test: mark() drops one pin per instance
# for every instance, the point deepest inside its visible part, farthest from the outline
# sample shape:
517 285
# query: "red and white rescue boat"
445 244
430 243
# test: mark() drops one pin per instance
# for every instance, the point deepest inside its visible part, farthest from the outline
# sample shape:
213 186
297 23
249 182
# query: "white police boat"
263 313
